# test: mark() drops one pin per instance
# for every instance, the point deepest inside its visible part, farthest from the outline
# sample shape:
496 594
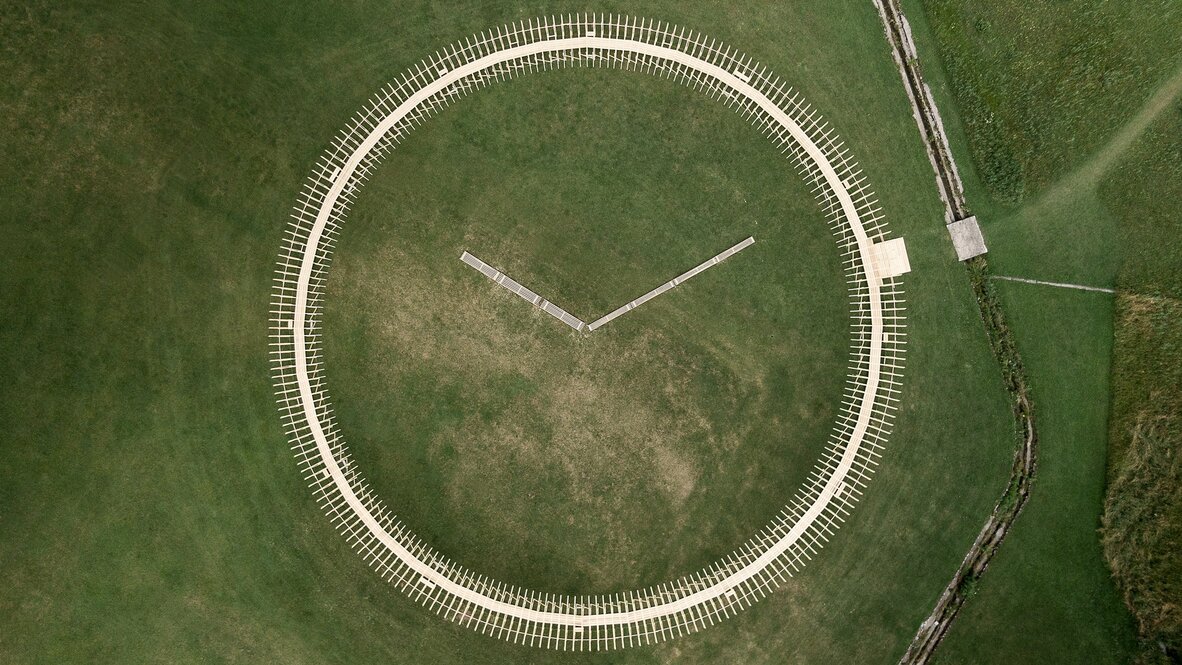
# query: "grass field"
1040 89
1051 126
151 511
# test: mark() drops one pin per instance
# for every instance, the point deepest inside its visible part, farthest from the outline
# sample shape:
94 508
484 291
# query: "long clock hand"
676 281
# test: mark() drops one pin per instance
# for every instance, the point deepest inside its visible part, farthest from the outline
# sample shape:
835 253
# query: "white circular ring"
663 611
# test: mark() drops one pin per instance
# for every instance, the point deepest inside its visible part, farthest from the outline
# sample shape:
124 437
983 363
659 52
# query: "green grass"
1042 86
1150 279
1142 187
1067 92
1047 595
1047 109
1072 231
151 511
1143 513
602 462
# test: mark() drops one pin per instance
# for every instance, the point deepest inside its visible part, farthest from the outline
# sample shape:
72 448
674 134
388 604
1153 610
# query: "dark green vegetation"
1049 123
1143 515
150 508
1042 87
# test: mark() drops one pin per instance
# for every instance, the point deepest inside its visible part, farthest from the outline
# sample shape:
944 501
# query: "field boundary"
1001 341
670 609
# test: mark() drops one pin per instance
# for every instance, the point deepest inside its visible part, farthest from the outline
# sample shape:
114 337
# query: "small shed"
967 238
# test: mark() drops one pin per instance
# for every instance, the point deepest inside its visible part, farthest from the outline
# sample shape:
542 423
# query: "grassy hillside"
150 510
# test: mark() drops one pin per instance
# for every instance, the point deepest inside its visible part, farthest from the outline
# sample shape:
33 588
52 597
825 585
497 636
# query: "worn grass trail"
1088 176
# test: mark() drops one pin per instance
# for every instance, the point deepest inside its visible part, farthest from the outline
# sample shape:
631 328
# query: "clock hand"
529 296
676 281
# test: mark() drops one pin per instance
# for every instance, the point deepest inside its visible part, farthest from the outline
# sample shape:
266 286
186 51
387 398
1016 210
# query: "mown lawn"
151 511
1048 593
